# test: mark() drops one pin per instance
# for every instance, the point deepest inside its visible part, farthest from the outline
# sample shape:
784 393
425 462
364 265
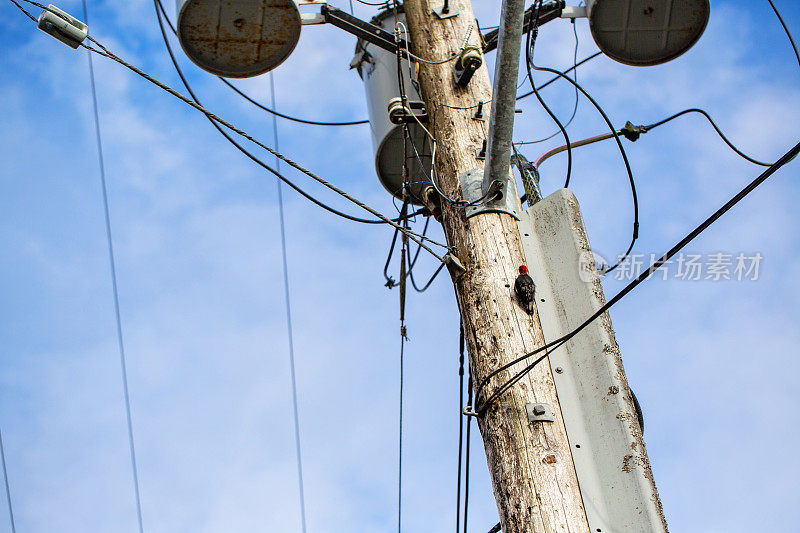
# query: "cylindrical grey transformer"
238 38
378 70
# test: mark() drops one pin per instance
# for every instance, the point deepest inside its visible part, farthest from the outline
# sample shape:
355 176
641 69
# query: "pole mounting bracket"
539 412
504 201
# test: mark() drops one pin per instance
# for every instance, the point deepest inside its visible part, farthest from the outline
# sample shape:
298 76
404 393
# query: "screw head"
559 370
539 410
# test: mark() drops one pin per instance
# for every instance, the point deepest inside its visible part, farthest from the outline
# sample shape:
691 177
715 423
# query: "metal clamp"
62 26
504 200
445 12
539 412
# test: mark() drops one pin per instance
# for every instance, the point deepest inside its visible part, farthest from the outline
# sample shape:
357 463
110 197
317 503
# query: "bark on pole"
531 465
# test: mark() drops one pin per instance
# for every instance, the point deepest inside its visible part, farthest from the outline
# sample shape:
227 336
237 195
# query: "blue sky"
198 256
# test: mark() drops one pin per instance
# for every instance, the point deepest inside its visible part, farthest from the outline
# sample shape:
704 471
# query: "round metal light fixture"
646 32
238 38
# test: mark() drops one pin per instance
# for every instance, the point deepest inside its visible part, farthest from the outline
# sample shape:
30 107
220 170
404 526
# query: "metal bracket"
547 13
472 190
539 412
363 30
445 12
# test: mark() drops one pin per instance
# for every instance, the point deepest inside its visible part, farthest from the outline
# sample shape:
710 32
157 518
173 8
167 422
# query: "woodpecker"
525 289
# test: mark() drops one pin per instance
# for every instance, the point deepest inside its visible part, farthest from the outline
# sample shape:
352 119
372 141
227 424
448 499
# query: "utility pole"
531 466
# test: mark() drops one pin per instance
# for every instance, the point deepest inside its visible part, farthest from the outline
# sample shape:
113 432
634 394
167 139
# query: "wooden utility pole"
531 466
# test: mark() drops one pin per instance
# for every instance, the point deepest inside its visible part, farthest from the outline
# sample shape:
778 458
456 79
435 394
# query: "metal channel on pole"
501 124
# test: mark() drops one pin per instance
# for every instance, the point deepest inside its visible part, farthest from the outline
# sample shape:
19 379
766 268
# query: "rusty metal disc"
238 38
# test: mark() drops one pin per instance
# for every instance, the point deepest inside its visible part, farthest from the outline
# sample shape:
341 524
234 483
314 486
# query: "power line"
115 292
289 329
786 29
556 78
622 152
552 345
272 110
533 32
8 489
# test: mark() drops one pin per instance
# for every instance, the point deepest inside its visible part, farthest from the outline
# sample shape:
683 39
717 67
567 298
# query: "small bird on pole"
525 289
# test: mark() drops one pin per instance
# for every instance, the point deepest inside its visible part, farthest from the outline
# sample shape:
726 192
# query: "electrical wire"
115 292
482 406
786 29
289 329
258 104
556 78
624 155
5 481
716 128
466 452
577 95
105 52
159 11
530 42
460 422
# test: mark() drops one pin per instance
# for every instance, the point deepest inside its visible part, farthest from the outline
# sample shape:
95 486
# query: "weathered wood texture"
531 465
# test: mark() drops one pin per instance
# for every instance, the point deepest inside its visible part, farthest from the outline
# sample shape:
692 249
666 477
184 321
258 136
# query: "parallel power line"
115 292
288 314
5 481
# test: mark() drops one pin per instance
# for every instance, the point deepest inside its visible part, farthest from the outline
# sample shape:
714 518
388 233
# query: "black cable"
716 128
238 146
460 422
786 29
466 453
496 528
556 78
621 151
287 117
8 489
390 282
788 156
115 292
259 105
529 44
577 95
289 329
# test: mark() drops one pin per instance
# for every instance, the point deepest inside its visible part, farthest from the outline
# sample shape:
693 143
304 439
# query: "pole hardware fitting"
539 412
401 112
364 30
548 12
478 114
480 153
469 60
62 26
469 412
445 12
498 198
454 266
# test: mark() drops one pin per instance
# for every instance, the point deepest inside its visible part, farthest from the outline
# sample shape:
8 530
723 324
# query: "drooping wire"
622 152
460 422
482 406
577 95
466 453
115 292
5 481
556 78
274 112
716 128
161 12
289 329
262 106
786 29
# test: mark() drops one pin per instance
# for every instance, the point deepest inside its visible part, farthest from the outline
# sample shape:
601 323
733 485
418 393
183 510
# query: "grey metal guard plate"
598 412
238 38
